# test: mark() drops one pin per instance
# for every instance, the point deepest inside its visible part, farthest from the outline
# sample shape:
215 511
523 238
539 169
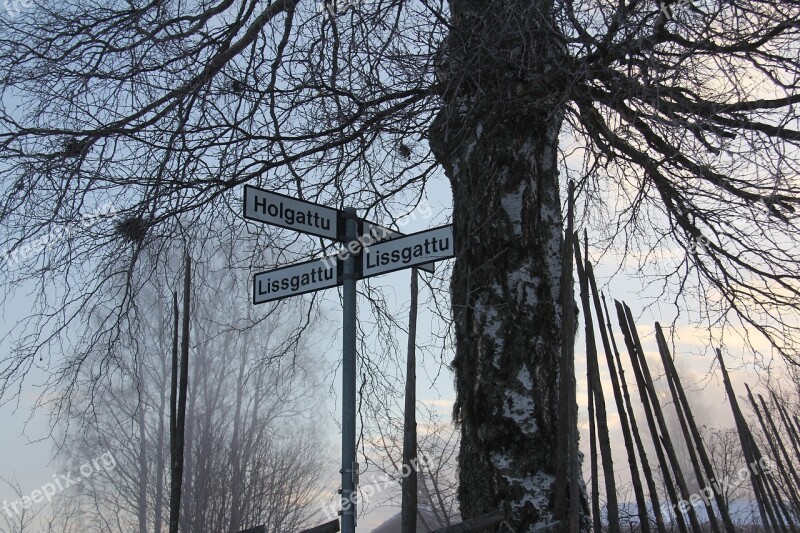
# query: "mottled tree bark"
496 137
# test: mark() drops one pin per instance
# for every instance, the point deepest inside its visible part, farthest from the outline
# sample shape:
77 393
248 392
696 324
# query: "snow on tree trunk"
496 137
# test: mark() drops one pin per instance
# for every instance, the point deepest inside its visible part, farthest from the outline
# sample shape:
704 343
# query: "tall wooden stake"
682 401
774 442
665 437
628 334
177 444
567 469
409 482
646 471
599 400
641 504
593 456
787 424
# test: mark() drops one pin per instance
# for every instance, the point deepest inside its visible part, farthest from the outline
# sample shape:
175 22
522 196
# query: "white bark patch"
488 324
524 377
497 289
523 286
470 148
547 156
528 153
537 489
492 323
499 461
520 409
512 205
553 250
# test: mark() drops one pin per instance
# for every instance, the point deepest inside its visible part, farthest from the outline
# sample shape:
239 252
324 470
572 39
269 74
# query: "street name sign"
378 233
296 279
382 250
291 213
412 250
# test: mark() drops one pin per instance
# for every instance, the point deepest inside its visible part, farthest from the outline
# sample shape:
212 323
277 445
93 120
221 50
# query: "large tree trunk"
496 137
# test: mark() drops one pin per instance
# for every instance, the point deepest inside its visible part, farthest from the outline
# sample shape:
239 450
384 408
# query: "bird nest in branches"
133 229
74 147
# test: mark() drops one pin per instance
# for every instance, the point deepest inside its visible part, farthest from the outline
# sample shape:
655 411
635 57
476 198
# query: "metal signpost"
349 465
381 250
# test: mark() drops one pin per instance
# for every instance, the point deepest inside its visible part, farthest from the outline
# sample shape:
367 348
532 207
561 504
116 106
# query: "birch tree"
677 120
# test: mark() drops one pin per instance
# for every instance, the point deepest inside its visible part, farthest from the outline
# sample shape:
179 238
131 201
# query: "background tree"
16 519
679 122
437 483
253 439
725 450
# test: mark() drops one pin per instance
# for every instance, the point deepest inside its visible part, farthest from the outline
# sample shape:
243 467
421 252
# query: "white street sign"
411 250
378 233
291 213
295 279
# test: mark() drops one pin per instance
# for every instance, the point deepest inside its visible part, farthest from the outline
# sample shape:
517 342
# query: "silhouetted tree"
678 120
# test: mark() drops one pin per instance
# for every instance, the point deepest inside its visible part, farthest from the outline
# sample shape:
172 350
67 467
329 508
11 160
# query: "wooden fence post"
627 333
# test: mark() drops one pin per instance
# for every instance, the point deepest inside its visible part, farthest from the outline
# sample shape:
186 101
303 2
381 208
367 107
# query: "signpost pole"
349 466
389 251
